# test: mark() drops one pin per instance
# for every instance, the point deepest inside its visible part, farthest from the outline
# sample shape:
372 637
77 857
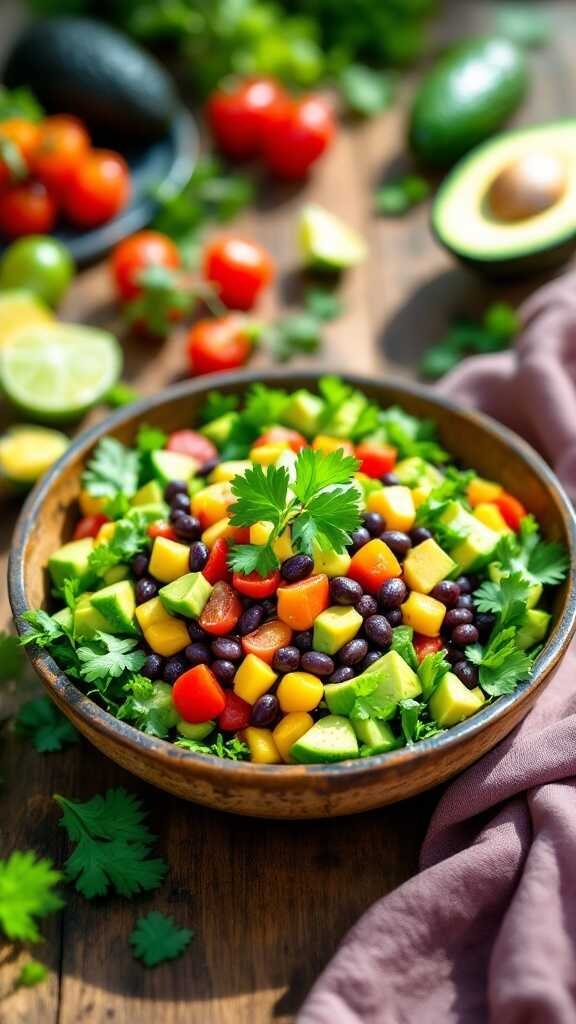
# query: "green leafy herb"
112 470
121 394
19 103
410 436
502 665
150 439
112 845
31 973
233 749
323 303
430 514
506 599
217 405
498 328
27 885
148 706
297 334
397 197
108 657
164 294
402 644
130 536
347 413
431 670
365 91
43 631
157 938
40 721
12 661
539 561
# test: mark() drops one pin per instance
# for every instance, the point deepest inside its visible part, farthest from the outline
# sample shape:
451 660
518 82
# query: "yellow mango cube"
330 562
421 494
228 470
216 531
324 443
492 517
253 679
289 730
165 634
90 505
282 548
150 613
169 560
266 454
396 505
425 565
299 691
424 613
105 533
212 503
481 491
261 745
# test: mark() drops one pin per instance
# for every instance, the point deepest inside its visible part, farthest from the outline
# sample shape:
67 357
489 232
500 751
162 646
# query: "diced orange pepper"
480 490
267 639
300 604
512 510
373 564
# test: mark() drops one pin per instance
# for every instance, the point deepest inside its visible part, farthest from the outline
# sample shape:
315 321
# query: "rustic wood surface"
268 901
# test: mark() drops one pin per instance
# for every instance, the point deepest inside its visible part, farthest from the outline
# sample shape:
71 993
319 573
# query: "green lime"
325 241
58 371
39 264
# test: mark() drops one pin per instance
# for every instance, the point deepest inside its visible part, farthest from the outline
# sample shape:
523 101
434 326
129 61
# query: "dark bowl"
295 791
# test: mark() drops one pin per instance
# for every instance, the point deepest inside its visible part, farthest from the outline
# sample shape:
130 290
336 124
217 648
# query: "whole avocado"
82 66
465 98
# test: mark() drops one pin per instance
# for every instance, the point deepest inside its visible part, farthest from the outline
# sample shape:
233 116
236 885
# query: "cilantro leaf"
410 435
409 715
11 658
540 561
217 405
157 938
113 469
364 90
31 973
507 599
40 721
402 644
44 630
107 657
233 749
316 470
431 670
148 706
150 439
502 665
259 495
247 558
299 333
330 518
130 536
26 892
347 413
323 303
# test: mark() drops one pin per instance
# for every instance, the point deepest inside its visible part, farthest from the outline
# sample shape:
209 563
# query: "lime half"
326 241
26 452
19 309
57 371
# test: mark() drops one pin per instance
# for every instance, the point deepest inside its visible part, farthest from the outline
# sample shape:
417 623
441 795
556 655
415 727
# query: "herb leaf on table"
40 721
27 885
156 938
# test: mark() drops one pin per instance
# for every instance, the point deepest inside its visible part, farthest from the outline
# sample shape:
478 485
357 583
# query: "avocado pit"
528 186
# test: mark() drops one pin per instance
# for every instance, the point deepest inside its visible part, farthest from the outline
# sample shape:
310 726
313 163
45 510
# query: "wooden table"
268 901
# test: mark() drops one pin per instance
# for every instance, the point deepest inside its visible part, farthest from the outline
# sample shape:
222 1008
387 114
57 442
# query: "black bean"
317 663
195 632
367 605
389 480
176 514
175 487
250 619
153 667
344 590
224 647
140 565
464 635
398 542
286 659
394 617
180 502
224 671
373 522
370 658
269 608
378 629
457 617
265 711
353 652
296 568
465 601
199 555
187 528
174 668
342 674
484 622
146 589
303 640
466 584
467 673
360 537
419 534
447 592
453 654
207 467
198 653
392 594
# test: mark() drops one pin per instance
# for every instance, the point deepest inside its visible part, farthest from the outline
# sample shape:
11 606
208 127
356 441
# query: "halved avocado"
465 223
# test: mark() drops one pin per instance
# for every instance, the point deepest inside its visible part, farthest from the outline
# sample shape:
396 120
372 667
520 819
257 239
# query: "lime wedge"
20 309
26 452
58 371
325 241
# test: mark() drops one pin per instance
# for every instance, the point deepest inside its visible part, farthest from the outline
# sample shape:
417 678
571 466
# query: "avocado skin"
465 98
82 66
516 266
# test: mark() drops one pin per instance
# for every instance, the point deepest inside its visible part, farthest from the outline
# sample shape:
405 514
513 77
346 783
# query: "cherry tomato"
255 585
197 695
276 435
295 134
267 639
27 209
236 714
237 115
239 268
190 442
512 510
424 645
375 459
135 254
220 344
162 530
222 611
62 145
99 187
89 526
23 135
216 567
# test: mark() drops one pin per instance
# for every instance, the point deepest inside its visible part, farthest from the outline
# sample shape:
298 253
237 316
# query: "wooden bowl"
286 791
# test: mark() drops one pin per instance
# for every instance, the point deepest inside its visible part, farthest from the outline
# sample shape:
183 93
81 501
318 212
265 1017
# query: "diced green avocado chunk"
395 681
150 494
116 573
330 739
534 629
340 697
497 573
64 618
117 604
452 702
194 730
334 627
303 412
147 514
218 430
168 466
376 735
368 484
88 620
344 420
414 471
476 549
187 595
71 562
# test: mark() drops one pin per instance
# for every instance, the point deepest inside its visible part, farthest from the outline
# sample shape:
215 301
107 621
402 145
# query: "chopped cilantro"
233 749
40 721
150 439
107 657
538 560
402 644
156 938
502 665
113 469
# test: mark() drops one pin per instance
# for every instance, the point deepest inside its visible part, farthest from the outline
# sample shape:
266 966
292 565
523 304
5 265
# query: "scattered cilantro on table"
323 303
398 196
27 892
365 90
40 721
156 937
496 331
31 973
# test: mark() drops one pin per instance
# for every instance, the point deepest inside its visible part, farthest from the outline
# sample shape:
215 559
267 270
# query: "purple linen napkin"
486 932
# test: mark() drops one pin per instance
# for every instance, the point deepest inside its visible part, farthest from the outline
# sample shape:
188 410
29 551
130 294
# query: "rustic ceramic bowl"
277 791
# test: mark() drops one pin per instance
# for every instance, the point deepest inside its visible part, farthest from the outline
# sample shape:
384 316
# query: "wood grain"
269 901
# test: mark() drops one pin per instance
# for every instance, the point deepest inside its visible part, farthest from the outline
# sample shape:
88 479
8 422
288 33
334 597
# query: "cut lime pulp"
326 241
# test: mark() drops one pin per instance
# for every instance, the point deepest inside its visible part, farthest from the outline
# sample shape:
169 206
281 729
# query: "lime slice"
26 452
58 371
325 240
20 309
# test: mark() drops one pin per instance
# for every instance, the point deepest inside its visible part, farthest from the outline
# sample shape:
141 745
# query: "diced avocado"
344 420
88 620
396 680
334 627
496 573
303 412
64 618
452 702
150 494
414 471
194 730
475 550
168 466
330 562
534 629
330 739
117 604
218 430
71 562
116 573
340 697
147 514
376 735
187 595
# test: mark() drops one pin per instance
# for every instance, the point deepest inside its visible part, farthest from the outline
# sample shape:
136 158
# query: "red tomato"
216 568
512 510
279 434
255 585
222 611
375 459
220 344
99 187
236 116
424 645
197 695
295 134
62 145
135 254
162 530
239 268
190 442
89 526
267 639
27 209
236 714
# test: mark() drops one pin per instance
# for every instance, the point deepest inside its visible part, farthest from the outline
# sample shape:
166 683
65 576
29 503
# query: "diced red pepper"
89 526
236 714
277 435
222 611
162 530
512 510
190 442
197 695
255 585
424 645
376 459
216 568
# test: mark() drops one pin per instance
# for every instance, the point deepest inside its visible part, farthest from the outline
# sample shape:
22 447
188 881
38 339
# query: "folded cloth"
486 932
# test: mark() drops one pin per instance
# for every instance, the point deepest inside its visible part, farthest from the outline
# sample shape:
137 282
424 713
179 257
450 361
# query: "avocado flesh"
334 627
330 739
463 222
477 547
218 430
150 494
534 629
117 604
303 412
71 562
187 595
395 681
374 734
452 702
168 466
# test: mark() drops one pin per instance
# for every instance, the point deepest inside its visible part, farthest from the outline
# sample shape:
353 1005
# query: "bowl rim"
209 766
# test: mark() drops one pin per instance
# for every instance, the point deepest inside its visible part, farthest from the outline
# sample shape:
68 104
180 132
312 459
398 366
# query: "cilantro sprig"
112 470
538 560
27 892
156 938
502 665
233 748
40 721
